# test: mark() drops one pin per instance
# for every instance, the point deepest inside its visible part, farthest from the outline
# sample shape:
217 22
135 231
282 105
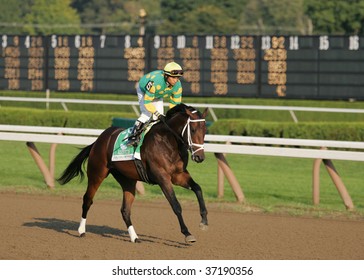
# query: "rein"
174 133
187 129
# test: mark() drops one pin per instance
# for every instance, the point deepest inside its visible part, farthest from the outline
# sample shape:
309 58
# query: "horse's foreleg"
177 209
185 180
82 227
203 211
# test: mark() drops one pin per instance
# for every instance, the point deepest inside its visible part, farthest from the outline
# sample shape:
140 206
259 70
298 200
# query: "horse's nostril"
197 158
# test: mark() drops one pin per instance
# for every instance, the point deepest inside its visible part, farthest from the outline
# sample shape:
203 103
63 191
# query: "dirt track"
45 227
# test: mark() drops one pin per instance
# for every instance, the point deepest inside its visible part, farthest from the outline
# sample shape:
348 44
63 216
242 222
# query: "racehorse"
164 156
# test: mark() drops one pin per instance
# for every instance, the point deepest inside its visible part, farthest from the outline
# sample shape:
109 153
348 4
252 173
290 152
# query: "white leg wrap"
132 234
82 227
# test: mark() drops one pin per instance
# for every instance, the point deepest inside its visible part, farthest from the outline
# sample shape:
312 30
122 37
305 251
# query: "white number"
324 43
27 42
293 43
157 42
102 41
181 42
354 43
149 85
54 41
4 42
77 41
235 42
127 43
266 43
209 42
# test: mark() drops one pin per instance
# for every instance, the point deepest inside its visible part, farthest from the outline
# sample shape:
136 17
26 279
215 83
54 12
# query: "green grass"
270 184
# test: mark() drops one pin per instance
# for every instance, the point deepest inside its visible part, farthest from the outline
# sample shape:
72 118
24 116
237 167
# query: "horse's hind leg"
128 187
128 199
96 175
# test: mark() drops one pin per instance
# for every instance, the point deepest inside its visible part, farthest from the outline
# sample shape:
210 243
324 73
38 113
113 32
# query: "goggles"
175 73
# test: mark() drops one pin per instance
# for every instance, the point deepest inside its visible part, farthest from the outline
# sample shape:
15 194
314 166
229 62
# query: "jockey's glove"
160 116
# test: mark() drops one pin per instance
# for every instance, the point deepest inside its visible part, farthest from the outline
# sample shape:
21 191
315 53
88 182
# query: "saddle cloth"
122 151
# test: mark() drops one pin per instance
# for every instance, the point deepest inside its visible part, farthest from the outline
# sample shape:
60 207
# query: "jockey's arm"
175 98
148 98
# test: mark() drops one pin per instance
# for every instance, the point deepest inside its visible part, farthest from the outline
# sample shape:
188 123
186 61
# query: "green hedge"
263 115
23 116
345 131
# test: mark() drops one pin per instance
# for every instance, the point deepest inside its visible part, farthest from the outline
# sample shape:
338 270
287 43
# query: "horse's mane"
179 108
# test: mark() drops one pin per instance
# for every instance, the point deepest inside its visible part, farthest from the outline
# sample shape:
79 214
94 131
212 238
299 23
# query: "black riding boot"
134 135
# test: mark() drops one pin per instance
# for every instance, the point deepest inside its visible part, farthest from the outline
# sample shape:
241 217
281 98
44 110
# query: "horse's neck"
177 125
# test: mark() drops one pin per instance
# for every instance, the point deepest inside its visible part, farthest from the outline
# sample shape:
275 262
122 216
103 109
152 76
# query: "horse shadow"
70 228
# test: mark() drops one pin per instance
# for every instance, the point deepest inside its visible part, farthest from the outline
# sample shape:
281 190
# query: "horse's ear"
188 112
204 114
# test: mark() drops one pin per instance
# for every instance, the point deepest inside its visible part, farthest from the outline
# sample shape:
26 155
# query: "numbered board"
314 67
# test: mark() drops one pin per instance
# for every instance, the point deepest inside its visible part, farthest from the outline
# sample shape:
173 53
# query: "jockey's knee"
143 118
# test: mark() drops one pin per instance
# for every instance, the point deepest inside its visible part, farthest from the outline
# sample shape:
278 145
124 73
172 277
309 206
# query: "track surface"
45 227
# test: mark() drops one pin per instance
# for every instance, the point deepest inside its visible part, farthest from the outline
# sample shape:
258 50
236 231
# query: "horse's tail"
74 169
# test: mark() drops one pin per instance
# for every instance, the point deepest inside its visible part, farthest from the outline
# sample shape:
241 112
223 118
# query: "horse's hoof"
203 226
83 234
137 240
190 239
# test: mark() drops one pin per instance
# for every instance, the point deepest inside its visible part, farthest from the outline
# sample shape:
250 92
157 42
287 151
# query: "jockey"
151 89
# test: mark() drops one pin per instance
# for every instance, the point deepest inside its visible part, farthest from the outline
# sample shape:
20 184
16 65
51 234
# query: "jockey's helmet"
173 69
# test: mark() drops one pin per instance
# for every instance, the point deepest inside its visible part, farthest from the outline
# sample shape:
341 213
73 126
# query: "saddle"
123 151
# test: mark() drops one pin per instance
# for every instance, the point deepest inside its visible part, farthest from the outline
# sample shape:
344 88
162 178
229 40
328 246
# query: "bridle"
187 129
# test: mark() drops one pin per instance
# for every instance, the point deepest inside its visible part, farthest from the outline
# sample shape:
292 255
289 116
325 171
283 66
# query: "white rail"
50 129
53 135
198 105
135 105
48 135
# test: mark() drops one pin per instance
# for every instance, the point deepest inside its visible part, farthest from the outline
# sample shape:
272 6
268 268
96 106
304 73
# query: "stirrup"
133 140
135 133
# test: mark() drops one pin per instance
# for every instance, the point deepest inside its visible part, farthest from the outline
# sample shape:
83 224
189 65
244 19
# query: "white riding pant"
145 114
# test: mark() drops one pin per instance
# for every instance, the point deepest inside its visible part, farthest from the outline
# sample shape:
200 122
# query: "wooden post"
220 182
316 181
52 159
220 179
221 161
339 184
48 178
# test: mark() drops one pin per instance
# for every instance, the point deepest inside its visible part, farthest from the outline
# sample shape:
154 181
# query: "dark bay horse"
164 155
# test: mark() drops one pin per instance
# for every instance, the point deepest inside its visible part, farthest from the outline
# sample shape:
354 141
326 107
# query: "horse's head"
196 130
193 130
